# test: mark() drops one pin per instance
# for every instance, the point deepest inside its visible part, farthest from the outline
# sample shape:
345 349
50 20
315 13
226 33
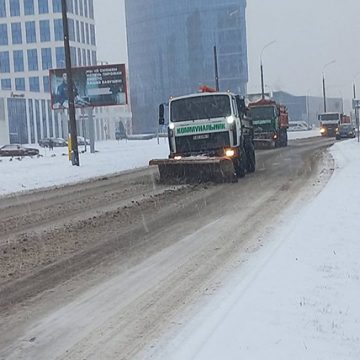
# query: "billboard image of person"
93 86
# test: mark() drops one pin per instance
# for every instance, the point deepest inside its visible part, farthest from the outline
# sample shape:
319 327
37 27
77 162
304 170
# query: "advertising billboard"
103 85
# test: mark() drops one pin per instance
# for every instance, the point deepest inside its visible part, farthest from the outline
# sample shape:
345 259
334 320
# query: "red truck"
270 121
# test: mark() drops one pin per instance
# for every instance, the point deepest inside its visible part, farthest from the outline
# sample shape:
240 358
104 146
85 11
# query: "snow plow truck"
210 139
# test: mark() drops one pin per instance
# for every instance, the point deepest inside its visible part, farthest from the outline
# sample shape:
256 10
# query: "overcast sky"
308 34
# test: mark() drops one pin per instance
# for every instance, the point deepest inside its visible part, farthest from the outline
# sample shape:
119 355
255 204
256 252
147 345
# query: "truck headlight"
171 126
229 152
322 131
230 119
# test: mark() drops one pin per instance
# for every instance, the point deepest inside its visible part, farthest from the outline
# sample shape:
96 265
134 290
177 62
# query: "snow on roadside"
300 300
54 168
293 135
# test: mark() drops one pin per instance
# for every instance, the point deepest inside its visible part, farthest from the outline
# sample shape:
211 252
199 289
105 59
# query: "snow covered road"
111 281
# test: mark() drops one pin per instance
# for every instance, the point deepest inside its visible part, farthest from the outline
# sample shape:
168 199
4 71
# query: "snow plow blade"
218 170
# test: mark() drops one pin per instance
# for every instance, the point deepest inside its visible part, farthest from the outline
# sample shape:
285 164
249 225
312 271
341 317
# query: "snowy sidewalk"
302 300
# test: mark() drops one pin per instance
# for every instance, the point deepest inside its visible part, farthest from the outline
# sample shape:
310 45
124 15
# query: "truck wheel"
286 139
251 160
240 166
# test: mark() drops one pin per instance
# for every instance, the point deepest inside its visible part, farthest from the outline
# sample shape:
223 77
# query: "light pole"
217 87
262 68
308 107
356 108
323 81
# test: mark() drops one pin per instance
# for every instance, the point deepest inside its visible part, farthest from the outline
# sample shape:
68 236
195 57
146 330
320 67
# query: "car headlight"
322 130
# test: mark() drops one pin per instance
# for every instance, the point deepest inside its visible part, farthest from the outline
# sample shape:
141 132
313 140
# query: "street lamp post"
356 109
71 96
262 68
323 81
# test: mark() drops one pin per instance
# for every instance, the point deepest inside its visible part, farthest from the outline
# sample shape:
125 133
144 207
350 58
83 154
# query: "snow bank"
293 135
301 300
54 168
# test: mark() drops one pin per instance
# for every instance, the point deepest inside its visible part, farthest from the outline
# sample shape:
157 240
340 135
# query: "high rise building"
171 51
31 43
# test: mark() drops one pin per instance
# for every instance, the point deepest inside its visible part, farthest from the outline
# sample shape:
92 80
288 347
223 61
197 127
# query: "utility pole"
217 87
71 97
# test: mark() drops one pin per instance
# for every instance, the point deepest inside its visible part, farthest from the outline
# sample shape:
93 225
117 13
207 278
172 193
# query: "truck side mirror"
161 114
240 102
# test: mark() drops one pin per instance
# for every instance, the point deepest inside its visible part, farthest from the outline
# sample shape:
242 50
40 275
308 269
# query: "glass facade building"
171 51
31 43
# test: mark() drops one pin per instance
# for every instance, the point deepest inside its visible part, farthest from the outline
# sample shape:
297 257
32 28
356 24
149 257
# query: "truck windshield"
262 113
328 117
200 107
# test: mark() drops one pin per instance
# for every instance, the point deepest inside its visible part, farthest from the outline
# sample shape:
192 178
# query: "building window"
20 84
92 35
3 35
58 29
44 30
81 8
46 84
60 57
34 84
82 33
76 7
5 84
73 56
86 11
16 33
4 62
91 9
29 7
70 6
18 60
33 64
71 30
2 8
78 31
14 8
43 6
88 57
87 33
93 55
56 6
79 57
46 58
30 32
84 56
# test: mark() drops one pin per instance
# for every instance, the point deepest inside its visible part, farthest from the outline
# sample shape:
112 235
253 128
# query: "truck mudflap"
195 170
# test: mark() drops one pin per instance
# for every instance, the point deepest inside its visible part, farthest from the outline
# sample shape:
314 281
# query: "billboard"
103 85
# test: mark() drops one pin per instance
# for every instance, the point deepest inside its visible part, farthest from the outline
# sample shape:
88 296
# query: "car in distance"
345 131
81 140
17 150
56 142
